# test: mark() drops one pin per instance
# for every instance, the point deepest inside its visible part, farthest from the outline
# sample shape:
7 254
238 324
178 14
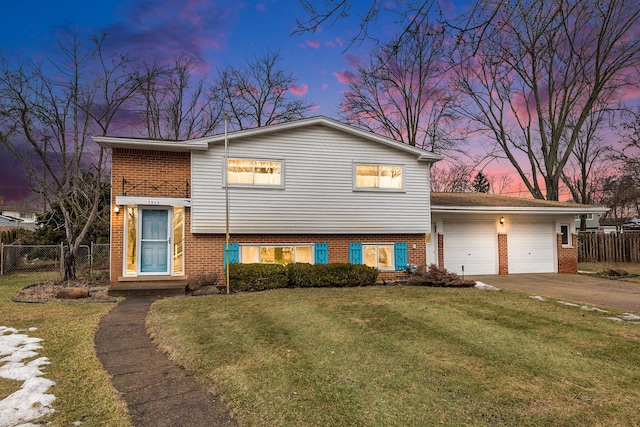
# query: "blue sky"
218 33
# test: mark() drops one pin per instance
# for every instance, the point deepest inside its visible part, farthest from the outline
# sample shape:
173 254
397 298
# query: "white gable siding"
318 195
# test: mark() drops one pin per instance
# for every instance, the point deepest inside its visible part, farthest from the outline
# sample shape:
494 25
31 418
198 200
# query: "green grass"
83 389
405 356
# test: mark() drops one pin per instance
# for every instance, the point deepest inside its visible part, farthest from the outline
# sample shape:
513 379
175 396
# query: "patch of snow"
587 308
538 297
630 318
570 304
484 286
615 319
31 401
583 307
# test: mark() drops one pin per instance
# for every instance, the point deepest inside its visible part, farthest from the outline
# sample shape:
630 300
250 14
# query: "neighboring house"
592 222
313 190
22 211
9 222
317 191
488 234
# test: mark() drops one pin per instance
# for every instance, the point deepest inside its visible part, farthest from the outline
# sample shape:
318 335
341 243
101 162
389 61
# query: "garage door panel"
531 247
472 245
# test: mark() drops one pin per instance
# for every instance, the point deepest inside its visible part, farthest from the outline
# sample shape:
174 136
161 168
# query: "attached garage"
531 247
492 234
470 247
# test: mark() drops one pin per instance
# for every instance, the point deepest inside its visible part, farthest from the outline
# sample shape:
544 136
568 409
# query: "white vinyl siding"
318 196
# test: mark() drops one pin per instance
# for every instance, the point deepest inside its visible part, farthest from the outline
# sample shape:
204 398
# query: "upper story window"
26 215
255 172
370 176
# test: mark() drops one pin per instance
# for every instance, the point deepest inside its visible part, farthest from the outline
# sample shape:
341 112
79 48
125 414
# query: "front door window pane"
131 240
178 240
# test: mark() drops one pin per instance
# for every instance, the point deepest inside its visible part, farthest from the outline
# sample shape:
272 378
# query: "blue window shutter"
322 253
233 252
400 249
355 253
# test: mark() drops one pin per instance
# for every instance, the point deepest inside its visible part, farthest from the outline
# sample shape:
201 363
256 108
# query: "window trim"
276 245
225 172
379 189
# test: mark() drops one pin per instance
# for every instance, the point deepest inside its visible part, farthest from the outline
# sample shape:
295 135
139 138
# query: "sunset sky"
218 33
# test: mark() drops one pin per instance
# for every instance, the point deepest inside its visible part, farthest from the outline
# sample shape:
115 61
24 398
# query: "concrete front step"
148 288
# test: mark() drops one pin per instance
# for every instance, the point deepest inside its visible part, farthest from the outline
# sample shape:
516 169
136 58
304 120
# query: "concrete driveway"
620 294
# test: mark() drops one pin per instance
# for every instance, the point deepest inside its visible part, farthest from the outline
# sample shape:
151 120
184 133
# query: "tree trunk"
69 265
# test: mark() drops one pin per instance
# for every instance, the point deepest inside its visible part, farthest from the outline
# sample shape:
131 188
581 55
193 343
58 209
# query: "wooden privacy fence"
614 247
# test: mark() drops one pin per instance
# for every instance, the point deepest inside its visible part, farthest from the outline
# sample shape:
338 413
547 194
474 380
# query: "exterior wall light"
116 209
502 220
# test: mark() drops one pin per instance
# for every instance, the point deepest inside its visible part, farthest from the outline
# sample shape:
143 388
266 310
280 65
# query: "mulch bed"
47 291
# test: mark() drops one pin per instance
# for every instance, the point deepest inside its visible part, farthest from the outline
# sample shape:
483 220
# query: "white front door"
154 241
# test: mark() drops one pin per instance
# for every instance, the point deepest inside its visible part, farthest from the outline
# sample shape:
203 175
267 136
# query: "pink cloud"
330 43
324 86
345 76
339 41
298 90
261 8
163 28
353 60
313 43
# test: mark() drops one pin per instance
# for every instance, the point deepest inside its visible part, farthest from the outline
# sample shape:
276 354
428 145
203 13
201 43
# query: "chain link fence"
91 261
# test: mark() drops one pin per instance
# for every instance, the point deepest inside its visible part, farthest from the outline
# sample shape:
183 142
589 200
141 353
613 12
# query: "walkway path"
157 392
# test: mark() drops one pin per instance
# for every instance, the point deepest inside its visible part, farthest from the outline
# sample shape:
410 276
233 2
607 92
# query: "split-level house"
313 190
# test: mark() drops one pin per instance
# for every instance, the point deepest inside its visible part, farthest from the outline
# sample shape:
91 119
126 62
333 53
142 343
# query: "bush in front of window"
257 277
440 277
336 275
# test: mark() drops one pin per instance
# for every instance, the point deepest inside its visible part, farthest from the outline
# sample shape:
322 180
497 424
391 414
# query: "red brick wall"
503 254
136 165
440 251
204 252
568 257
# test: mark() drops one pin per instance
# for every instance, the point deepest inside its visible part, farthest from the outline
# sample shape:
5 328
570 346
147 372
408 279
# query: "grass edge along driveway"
402 356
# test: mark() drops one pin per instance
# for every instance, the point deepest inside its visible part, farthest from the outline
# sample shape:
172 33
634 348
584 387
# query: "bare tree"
258 94
586 167
177 107
453 177
49 112
402 93
408 15
538 74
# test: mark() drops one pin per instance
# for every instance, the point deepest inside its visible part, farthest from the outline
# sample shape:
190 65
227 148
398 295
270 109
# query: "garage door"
532 247
472 245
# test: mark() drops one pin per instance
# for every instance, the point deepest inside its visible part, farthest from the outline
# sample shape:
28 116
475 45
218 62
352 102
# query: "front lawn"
405 356
83 391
